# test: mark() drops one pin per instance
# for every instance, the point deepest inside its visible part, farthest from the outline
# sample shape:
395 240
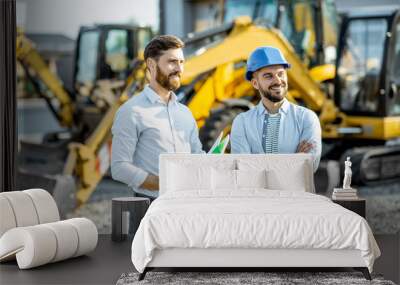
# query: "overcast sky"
66 16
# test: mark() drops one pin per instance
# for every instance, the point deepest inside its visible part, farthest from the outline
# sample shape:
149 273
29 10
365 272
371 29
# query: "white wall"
66 16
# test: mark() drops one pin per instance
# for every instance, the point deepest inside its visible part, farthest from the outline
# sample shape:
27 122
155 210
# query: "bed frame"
256 258
242 258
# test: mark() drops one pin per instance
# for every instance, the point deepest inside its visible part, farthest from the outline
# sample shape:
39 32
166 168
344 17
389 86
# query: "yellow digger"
70 163
360 117
214 85
367 92
358 106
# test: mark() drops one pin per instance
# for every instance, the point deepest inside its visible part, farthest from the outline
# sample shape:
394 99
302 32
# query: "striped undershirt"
271 132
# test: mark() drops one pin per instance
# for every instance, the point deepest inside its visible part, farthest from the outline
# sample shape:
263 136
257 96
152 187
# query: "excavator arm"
32 61
89 161
224 65
244 38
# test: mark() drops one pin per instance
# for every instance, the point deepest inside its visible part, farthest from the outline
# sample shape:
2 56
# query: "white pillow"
284 171
251 178
227 179
188 177
223 179
293 180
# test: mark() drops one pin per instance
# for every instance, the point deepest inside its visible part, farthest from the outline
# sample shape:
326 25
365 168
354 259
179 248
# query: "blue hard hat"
262 57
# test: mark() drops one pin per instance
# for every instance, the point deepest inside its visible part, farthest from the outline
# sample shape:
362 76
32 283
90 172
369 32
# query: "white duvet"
256 218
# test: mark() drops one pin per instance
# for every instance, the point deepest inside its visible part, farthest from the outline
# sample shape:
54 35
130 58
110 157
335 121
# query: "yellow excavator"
214 86
358 108
70 163
367 92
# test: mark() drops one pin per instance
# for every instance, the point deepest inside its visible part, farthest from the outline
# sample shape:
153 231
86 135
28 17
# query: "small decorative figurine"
347 174
347 192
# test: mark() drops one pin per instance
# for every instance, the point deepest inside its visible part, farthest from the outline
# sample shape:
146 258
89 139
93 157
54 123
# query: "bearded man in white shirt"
153 122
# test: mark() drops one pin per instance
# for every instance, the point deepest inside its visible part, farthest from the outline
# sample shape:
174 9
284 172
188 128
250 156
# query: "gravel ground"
98 209
383 206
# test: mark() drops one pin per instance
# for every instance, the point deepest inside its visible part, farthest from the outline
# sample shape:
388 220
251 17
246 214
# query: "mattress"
250 219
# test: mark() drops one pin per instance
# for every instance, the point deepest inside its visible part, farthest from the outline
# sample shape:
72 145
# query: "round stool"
126 214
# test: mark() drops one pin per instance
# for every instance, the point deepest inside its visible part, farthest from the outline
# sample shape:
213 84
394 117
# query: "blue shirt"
144 127
296 124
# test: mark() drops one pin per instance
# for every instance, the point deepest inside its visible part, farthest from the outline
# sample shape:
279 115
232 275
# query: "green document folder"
219 145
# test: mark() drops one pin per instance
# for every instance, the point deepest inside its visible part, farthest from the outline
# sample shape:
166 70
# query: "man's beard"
165 80
272 96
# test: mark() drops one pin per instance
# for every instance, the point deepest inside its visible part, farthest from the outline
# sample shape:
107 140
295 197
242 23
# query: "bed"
247 211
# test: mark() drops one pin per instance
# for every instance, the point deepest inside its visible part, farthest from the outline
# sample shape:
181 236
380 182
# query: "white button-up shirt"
144 127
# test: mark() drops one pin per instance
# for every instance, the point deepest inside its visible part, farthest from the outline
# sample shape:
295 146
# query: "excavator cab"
105 51
103 58
368 73
367 91
310 26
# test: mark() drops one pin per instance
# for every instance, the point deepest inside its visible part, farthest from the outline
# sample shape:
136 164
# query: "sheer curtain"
8 99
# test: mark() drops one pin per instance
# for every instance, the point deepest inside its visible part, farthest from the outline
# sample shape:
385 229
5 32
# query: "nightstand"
127 212
355 205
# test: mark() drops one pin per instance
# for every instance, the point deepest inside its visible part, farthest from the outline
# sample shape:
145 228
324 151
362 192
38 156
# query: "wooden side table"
134 209
356 205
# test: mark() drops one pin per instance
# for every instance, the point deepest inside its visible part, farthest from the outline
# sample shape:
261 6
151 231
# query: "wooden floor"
110 260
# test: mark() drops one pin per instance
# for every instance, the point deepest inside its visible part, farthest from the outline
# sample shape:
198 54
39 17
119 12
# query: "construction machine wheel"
41 166
217 122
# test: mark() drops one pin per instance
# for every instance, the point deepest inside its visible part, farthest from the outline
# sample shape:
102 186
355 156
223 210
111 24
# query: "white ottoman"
31 232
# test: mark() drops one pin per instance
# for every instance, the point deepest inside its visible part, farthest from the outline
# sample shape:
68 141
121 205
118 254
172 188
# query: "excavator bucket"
61 187
41 166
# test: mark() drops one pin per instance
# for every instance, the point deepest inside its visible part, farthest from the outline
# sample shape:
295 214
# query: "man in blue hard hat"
275 125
